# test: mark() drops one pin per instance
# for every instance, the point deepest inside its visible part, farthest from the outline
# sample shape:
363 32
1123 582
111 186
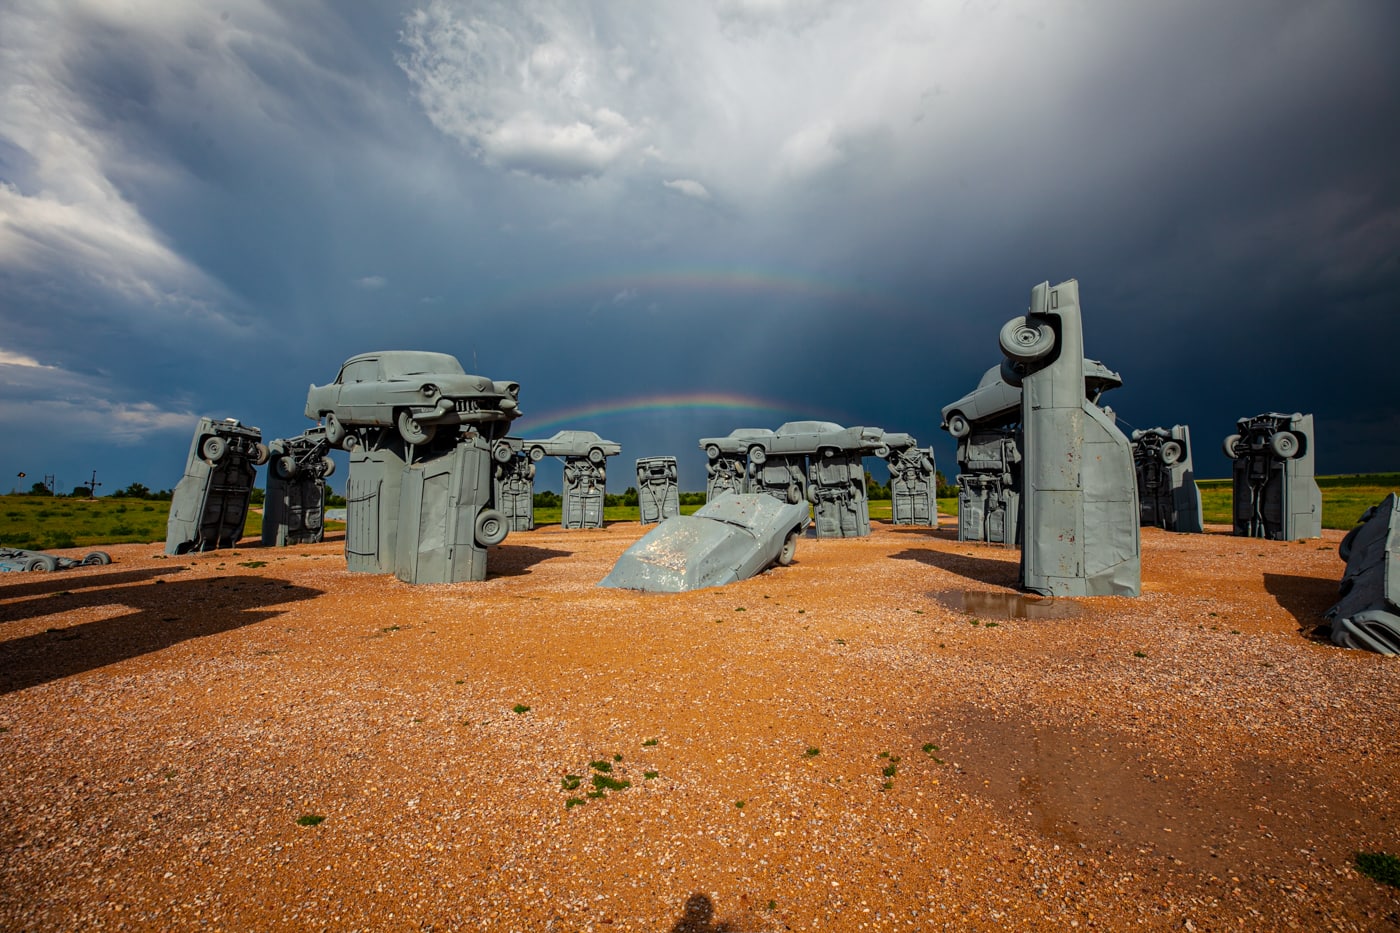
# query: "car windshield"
415 364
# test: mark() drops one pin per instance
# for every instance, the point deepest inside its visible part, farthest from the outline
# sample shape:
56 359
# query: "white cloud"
689 187
7 358
62 216
53 402
371 282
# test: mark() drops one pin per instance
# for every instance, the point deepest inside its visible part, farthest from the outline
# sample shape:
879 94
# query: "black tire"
285 467
1231 446
43 563
1172 452
260 454
491 528
213 449
97 559
957 425
595 457
1026 341
414 431
1285 445
789 548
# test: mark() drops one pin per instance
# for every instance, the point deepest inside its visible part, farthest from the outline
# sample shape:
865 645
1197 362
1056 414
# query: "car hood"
682 553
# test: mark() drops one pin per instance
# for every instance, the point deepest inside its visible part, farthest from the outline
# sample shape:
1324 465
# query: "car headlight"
429 390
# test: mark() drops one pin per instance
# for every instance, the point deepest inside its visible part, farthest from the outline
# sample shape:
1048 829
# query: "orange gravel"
882 736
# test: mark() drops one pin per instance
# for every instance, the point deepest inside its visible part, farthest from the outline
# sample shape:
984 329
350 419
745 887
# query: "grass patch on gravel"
1379 866
310 819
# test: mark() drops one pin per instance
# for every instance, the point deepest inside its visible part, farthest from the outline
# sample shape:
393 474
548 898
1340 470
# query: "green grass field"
1344 498
40 522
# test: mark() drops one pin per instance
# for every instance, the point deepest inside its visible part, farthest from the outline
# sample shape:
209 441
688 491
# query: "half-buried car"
732 538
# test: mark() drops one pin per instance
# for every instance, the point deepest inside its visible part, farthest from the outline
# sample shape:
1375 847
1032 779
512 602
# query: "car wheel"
757 455
595 457
350 443
1172 452
537 454
1011 374
43 563
327 467
882 451
97 559
794 493
335 431
414 431
957 425
213 449
1232 446
491 528
502 453
712 451
285 467
1285 444
1025 341
260 454
789 548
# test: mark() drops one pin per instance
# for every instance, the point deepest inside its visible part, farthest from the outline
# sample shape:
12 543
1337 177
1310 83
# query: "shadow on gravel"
514 560
981 569
159 615
41 584
698 916
922 531
1304 598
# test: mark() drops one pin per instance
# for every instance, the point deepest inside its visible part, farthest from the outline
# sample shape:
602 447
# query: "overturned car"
732 538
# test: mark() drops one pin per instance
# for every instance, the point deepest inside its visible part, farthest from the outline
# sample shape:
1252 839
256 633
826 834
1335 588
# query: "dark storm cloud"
220 205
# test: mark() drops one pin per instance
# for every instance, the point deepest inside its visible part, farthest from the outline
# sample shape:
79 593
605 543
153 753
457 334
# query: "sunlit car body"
573 444
414 391
737 441
729 539
996 401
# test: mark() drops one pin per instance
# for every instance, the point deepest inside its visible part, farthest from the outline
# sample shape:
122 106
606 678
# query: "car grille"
467 404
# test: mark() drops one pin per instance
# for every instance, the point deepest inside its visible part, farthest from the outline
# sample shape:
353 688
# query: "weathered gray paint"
784 477
729 539
658 489
585 489
1368 613
294 504
514 476
727 461
1275 491
446 522
1080 508
1166 481
913 485
836 487
585 472
372 509
989 486
210 504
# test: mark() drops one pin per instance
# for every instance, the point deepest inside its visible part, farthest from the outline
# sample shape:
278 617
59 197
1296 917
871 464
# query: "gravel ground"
883 736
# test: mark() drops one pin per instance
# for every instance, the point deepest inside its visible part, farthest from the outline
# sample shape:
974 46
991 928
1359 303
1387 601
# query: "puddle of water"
1005 605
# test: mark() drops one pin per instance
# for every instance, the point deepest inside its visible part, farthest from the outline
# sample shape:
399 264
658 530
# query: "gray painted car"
996 399
18 559
737 441
414 391
732 538
573 444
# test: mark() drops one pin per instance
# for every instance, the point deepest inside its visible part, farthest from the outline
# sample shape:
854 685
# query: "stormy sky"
645 212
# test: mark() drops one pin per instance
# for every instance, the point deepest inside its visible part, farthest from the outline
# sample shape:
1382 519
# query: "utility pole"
92 486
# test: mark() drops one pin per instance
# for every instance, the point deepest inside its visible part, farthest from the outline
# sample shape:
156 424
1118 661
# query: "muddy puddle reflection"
1005 605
